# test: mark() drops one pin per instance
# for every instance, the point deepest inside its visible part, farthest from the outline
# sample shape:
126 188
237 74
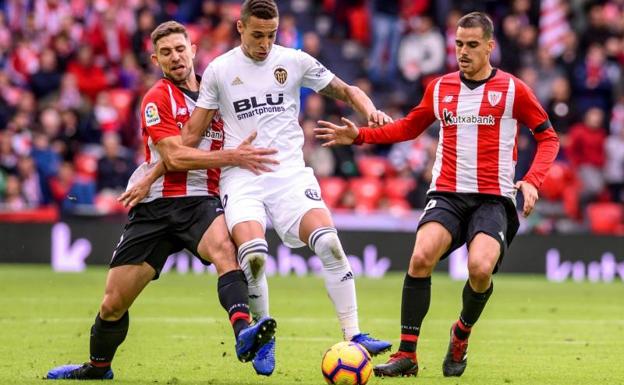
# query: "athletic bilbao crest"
280 75
494 97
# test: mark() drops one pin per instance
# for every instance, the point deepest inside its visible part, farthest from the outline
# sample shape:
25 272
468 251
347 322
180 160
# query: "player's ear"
194 50
154 60
239 26
491 45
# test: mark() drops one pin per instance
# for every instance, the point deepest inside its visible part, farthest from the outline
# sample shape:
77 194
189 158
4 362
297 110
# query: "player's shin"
414 306
252 257
106 336
339 279
232 288
473 305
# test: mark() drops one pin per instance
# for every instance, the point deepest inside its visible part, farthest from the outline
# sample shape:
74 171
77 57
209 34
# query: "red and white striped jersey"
477 148
164 110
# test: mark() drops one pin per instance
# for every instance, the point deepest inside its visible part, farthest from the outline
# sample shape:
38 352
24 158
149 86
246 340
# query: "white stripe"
507 137
468 104
173 103
156 190
437 165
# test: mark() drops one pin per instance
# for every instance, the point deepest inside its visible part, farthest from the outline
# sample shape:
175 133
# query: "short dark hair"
165 29
478 20
262 9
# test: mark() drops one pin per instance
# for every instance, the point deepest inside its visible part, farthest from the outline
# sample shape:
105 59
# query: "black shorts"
465 215
165 226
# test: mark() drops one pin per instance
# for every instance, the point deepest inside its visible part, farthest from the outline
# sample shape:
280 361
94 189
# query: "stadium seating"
367 191
332 189
86 165
373 166
121 100
606 218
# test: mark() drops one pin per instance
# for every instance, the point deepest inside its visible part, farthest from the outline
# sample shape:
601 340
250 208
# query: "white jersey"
262 96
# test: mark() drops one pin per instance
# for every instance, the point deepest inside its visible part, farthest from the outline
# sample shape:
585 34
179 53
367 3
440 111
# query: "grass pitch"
531 332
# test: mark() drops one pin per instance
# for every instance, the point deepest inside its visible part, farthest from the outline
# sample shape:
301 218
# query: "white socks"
339 279
252 259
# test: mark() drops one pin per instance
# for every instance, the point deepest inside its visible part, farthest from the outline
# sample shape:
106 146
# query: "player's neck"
190 83
482 74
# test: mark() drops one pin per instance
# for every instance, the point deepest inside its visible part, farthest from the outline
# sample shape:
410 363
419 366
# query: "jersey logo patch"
494 97
280 74
313 194
151 114
447 99
237 81
181 111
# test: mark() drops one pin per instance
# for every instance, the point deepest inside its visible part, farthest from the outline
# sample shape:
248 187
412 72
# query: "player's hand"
378 118
134 195
255 159
530 196
333 134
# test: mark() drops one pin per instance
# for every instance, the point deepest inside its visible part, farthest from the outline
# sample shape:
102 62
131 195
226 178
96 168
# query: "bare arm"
195 127
357 99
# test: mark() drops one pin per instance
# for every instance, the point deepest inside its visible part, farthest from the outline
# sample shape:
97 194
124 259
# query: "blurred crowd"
72 74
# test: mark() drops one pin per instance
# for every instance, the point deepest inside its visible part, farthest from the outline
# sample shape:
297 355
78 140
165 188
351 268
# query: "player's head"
258 27
173 51
474 42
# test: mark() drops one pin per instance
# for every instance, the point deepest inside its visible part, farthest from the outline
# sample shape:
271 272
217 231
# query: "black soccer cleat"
399 364
456 357
80 372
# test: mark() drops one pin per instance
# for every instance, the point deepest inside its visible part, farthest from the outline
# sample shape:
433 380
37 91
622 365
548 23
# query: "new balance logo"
237 81
447 99
347 277
500 233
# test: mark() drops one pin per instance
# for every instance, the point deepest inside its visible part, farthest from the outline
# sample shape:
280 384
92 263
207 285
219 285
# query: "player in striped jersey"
472 194
181 210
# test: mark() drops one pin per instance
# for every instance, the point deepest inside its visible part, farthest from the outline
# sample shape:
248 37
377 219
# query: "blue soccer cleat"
251 339
78 372
373 346
264 362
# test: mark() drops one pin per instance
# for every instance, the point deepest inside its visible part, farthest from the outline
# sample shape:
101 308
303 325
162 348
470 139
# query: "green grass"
532 332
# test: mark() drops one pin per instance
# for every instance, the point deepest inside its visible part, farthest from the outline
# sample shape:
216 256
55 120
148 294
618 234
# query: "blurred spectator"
30 182
386 30
421 52
319 158
69 190
586 152
288 35
47 162
13 199
141 41
48 78
561 111
614 165
115 167
90 77
592 83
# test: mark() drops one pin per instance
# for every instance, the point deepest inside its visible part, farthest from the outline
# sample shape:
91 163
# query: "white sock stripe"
248 251
316 234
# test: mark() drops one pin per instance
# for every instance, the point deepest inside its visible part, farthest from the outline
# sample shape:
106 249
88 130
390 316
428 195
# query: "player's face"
257 36
472 50
174 55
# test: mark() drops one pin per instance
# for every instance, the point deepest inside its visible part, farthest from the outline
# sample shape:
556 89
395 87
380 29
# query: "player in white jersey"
256 87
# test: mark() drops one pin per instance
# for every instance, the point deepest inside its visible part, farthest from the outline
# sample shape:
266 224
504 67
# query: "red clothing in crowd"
586 146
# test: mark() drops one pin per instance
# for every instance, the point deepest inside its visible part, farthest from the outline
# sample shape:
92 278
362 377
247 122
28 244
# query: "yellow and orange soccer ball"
346 363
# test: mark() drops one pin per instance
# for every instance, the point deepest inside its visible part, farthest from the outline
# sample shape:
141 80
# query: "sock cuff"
479 296
120 324
417 282
257 245
318 233
231 277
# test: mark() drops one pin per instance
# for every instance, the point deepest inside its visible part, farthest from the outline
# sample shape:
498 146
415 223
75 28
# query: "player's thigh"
315 218
245 214
123 285
433 240
217 247
486 236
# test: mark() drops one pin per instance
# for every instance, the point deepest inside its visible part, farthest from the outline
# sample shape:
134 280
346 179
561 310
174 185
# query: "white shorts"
284 196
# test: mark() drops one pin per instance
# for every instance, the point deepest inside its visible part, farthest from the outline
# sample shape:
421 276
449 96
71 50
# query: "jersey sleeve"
416 121
315 75
157 117
208 90
527 109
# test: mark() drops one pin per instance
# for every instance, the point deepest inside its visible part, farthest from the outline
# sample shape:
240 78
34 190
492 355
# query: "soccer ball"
346 363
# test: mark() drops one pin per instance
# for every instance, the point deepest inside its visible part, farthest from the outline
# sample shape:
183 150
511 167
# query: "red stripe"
174 183
409 337
463 327
239 315
488 137
449 87
100 364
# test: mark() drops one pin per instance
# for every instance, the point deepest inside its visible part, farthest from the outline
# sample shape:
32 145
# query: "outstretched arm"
196 126
357 99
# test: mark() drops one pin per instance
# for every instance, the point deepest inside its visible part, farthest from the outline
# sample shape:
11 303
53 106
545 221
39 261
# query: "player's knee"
223 256
421 262
480 272
328 248
112 307
252 256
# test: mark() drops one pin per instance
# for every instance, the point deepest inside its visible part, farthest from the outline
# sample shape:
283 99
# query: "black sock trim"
230 277
120 324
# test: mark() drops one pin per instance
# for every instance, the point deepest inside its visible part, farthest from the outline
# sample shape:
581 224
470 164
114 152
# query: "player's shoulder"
157 92
225 59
